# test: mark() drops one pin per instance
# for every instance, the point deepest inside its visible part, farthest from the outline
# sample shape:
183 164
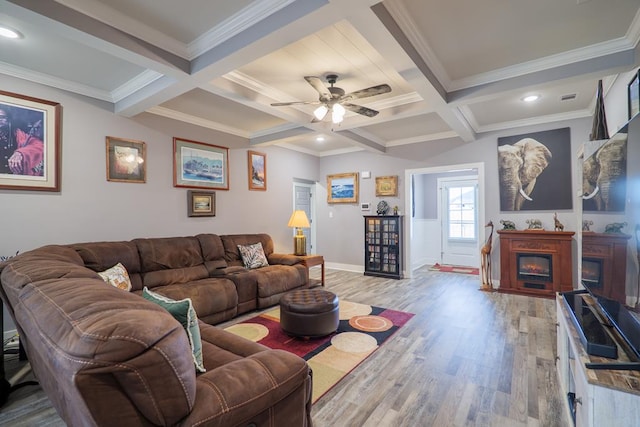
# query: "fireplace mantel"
556 244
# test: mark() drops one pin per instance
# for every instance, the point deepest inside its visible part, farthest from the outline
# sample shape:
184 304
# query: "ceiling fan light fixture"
337 113
320 112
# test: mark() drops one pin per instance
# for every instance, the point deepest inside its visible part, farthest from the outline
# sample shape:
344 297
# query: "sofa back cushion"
232 241
212 252
100 256
170 260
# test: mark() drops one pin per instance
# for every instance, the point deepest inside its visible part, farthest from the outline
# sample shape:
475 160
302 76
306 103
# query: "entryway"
444 215
303 192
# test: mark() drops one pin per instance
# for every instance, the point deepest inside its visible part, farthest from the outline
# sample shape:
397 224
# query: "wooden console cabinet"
611 250
557 244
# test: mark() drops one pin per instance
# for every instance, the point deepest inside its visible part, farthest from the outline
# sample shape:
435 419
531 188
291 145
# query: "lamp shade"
299 219
320 112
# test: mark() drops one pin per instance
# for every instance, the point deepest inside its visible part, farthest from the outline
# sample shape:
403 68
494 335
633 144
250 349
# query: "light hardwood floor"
467 358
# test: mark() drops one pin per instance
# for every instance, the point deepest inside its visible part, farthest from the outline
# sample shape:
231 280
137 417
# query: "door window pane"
462 212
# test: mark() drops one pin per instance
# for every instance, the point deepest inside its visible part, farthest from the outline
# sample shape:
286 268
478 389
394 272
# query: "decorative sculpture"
534 224
507 225
586 225
614 227
557 225
485 254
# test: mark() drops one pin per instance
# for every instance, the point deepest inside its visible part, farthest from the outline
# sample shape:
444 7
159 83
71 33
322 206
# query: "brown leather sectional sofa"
106 357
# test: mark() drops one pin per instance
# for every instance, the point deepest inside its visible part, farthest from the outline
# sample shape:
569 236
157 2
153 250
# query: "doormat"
362 330
447 268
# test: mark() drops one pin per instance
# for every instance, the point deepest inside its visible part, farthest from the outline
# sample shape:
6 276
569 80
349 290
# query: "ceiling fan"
334 99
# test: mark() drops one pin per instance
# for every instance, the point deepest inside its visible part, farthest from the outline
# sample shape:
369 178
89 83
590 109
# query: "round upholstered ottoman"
309 313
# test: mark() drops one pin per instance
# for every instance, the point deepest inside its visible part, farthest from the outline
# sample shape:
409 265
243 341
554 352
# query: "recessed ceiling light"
9 33
531 98
320 138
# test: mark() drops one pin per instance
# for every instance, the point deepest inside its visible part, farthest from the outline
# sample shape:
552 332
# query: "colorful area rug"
454 269
362 330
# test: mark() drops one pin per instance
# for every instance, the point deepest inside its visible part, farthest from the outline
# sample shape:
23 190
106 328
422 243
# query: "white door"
459 220
302 200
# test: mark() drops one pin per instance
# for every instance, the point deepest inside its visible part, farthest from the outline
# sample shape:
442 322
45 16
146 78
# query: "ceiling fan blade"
317 84
371 91
360 109
283 104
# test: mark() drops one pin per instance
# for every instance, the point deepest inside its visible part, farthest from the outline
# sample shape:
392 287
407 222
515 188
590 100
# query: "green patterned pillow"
117 276
253 256
184 313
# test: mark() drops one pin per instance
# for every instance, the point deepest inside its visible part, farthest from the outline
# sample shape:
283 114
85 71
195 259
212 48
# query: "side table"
312 261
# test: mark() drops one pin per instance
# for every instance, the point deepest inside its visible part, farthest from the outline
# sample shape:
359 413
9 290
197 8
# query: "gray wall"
340 236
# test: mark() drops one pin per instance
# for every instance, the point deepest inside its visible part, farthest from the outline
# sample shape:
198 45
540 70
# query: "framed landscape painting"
29 143
126 160
200 165
342 188
201 203
257 166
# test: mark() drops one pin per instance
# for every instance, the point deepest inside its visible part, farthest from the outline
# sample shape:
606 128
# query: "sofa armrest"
234 393
224 272
283 259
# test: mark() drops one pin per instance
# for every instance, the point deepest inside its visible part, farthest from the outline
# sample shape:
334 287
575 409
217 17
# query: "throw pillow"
117 276
253 256
184 313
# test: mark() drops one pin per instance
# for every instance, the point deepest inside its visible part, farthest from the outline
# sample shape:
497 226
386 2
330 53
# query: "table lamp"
299 221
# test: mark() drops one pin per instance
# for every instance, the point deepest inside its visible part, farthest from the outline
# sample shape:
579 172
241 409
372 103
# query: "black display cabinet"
383 246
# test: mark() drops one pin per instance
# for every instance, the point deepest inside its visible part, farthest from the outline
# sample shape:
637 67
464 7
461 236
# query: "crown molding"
47 80
422 138
235 24
135 84
187 118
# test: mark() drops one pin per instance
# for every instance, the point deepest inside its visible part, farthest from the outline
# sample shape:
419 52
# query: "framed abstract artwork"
30 147
257 171
200 165
126 160
342 188
201 203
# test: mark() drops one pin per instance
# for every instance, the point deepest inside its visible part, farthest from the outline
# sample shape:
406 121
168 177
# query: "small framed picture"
387 186
257 167
126 160
633 95
342 188
201 203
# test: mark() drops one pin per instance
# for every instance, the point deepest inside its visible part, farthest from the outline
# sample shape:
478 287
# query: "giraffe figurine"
485 253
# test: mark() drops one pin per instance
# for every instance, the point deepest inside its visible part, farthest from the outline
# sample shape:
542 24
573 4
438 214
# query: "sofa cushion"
171 260
117 276
184 313
214 299
231 242
212 252
99 256
253 256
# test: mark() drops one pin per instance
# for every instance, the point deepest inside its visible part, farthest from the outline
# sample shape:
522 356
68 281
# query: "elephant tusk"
525 195
592 195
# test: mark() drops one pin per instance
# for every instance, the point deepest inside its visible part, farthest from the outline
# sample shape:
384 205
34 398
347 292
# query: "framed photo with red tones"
29 143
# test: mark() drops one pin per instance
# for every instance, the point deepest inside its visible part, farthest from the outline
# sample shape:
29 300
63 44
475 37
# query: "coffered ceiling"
456 68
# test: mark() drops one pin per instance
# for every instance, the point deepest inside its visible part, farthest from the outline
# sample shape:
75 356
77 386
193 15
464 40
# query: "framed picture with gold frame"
126 160
201 203
342 188
387 186
257 166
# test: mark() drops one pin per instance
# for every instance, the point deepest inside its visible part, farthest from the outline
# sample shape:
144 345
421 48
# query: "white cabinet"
602 397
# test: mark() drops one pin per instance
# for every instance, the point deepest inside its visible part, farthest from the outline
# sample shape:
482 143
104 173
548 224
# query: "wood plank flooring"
467 358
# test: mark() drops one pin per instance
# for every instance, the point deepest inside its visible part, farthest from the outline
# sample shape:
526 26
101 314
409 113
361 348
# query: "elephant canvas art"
604 176
535 171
